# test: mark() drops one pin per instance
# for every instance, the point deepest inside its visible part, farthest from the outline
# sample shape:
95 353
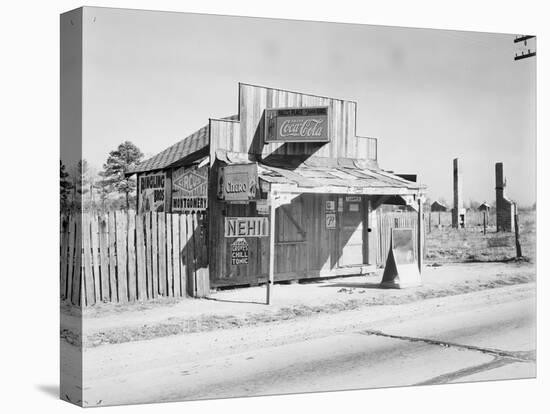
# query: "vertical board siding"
127 257
255 99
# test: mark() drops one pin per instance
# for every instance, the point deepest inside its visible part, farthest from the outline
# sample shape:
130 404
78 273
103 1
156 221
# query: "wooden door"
350 231
291 253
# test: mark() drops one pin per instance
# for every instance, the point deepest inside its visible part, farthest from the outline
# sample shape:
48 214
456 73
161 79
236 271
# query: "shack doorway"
291 241
350 235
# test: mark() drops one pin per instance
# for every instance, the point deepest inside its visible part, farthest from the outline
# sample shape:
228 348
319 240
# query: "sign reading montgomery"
310 124
238 182
246 227
190 189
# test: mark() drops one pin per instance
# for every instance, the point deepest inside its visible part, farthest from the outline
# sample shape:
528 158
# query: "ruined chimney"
505 206
458 206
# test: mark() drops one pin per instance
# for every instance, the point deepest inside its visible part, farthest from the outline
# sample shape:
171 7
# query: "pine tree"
64 187
119 161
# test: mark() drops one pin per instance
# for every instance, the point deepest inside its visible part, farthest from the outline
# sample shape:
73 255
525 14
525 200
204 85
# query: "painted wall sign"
330 205
330 220
152 192
190 189
239 252
353 198
246 227
238 182
308 124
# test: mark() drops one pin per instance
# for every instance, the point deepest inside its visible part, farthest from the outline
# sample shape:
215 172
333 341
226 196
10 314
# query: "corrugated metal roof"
171 155
341 173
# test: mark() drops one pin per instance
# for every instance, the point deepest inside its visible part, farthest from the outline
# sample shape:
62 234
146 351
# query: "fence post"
419 234
516 230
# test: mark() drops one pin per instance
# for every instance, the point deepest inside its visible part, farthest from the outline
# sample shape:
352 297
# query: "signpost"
309 124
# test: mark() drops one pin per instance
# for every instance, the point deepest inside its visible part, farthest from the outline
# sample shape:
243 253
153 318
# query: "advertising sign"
330 220
238 182
190 189
246 227
239 252
330 205
151 192
402 244
308 124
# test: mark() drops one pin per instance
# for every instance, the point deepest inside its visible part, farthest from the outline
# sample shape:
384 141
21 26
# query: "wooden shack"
285 189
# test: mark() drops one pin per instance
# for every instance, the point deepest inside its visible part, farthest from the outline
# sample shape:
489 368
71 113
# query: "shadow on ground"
51 390
358 285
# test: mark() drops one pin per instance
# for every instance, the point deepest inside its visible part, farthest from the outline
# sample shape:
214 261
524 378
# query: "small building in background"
484 207
438 207
505 206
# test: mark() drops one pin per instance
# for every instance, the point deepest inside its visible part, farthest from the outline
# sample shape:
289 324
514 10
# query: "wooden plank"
104 258
121 254
183 253
95 256
154 254
71 258
113 285
162 253
63 255
141 269
88 286
169 268
131 249
148 254
191 281
202 276
77 271
176 254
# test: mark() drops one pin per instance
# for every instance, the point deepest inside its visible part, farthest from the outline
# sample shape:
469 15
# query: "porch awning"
337 176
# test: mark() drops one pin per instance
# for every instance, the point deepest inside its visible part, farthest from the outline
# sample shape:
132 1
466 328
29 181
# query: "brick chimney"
458 205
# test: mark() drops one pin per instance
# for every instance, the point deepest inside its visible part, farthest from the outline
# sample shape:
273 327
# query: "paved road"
467 338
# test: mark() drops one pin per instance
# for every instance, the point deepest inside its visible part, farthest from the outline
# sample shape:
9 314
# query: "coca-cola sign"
310 124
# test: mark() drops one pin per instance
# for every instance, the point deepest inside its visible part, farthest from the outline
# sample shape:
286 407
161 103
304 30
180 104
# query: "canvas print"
264 206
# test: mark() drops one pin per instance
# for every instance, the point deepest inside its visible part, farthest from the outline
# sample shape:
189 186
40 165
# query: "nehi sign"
309 124
246 227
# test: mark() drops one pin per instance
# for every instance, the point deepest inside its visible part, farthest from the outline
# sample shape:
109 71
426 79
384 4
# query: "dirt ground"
110 324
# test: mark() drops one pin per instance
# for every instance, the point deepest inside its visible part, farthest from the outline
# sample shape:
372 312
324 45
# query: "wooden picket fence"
125 257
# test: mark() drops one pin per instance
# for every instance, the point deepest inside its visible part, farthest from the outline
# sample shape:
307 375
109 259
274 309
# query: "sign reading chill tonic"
297 125
246 227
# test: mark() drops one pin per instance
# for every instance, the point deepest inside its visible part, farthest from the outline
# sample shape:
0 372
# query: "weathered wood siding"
253 100
304 247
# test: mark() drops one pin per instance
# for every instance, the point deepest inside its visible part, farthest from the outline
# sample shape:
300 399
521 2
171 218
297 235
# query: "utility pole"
526 41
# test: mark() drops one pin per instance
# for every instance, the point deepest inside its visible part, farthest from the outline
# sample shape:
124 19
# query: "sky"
427 95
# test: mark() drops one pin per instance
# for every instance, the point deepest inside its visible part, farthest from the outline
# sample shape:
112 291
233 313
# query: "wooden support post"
419 234
484 222
430 222
516 230
271 278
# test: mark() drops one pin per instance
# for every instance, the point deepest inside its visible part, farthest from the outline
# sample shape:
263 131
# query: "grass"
448 245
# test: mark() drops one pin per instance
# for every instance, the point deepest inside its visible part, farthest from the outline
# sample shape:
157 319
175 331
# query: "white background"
29 56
